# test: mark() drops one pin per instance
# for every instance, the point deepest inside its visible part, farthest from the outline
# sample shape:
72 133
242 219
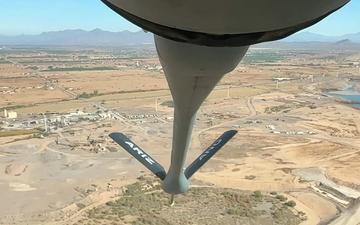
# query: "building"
11 115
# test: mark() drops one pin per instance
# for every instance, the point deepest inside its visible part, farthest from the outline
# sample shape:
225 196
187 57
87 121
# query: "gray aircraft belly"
228 16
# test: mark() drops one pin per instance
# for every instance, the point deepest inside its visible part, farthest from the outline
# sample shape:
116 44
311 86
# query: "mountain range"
100 37
79 37
313 37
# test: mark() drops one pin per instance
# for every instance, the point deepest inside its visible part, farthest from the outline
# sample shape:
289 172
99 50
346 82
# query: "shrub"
250 177
257 194
290 203
281 198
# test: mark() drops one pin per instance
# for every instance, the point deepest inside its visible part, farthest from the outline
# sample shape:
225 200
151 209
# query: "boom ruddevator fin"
209 152
139 154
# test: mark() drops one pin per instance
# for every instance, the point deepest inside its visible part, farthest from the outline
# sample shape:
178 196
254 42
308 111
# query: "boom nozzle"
172 200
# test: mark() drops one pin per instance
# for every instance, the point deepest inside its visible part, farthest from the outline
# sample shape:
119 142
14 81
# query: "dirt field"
293 140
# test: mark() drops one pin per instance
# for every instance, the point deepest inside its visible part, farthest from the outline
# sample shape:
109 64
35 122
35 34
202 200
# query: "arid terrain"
295 159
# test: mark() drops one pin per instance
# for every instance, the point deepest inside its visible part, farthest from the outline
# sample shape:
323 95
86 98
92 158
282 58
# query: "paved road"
350 217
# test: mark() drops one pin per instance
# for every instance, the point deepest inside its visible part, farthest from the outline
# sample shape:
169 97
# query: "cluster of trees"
88 95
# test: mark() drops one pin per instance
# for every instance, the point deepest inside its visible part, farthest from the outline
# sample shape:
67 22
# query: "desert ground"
295 159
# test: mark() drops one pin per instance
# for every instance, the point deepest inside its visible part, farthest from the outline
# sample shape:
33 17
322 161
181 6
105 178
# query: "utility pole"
45 123
156 104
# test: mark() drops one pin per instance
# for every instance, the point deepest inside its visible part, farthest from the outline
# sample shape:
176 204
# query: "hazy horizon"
139 30
35 17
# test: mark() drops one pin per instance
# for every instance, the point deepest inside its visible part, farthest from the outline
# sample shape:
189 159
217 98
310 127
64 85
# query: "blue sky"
36 16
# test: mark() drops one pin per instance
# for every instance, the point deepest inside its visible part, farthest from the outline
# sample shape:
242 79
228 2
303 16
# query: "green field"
11 133
262 57
70 69
3 61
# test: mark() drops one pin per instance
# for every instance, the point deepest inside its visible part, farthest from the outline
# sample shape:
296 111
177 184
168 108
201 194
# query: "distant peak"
97 30
344 41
